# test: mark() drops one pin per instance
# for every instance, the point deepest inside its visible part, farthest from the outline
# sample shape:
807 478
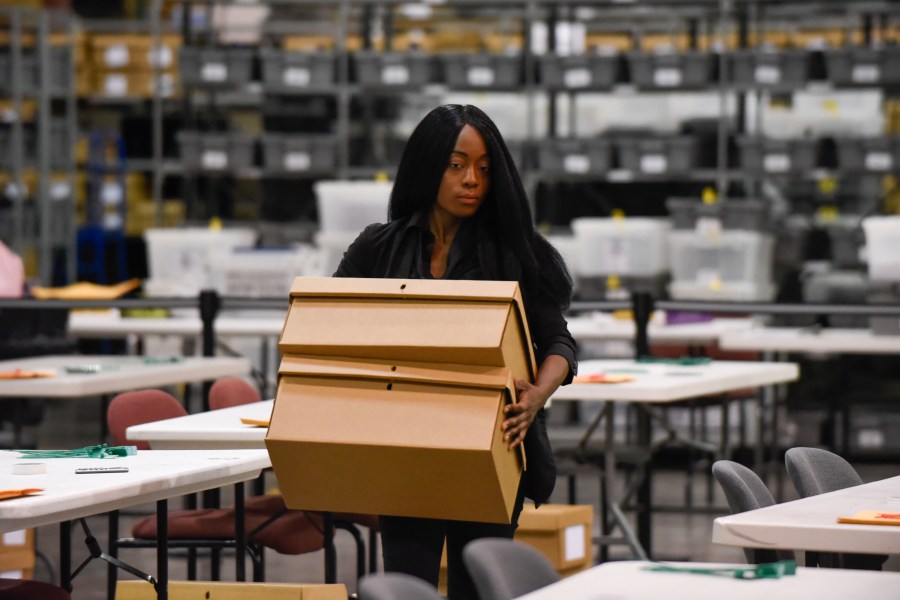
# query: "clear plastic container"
732 259
882 241
625 247
349 206
261 272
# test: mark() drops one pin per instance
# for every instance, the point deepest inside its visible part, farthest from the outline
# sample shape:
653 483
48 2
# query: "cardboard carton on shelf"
394 438
17 553
391 396
458 322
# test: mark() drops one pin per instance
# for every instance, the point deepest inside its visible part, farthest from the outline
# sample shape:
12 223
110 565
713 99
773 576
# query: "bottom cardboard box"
217 590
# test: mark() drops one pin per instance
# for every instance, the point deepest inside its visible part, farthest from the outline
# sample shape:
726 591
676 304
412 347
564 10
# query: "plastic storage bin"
215 66
761 68
863 66
877 154
577 156
627 247
778 156
286 72
691 213
215 151
179 260
349 206
733 265
580 72
60 74
393 69
651 70
292 153
331 246
882 241
838 287
482 71
657 155
261 272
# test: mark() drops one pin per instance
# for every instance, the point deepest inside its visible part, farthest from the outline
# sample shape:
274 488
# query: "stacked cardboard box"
216 590
17 554
391 394
122 66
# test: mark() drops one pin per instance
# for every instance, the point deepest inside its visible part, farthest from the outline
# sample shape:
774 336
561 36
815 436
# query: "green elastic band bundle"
99 451
684 360
773 570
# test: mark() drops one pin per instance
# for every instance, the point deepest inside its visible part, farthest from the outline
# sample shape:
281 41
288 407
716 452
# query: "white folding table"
658 383
211 429
628 580
153 476
811 523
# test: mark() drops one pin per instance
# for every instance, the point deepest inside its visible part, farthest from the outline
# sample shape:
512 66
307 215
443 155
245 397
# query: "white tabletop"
114 374
602 326
211 429
153 475
626 580
800 339
92 325
811 523
660 382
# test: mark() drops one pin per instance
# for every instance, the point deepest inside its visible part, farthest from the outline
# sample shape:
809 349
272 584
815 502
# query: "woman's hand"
520 415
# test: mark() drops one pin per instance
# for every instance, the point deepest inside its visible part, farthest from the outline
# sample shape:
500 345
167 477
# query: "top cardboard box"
462 322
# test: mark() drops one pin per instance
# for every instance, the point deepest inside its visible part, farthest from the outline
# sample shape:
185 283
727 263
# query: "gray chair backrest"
814 471
396 586
504 569
744 491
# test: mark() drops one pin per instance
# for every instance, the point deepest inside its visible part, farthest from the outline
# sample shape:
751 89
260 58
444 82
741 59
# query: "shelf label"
297 161
166 85
879 161
395 75
296 77
577 78
576 163
160 57
115 85
768 74
654 163
111 194
15 538
667 77
214 159
116 56
776 163
480 76
60 190
865 74
214 72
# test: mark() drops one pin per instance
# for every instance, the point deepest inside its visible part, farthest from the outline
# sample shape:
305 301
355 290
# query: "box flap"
440 374
349 287
553 517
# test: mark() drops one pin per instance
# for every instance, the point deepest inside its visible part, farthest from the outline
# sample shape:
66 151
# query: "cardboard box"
462 322
562 532
216 590
393 438
17 553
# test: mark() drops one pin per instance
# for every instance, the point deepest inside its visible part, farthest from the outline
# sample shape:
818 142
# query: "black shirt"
402 249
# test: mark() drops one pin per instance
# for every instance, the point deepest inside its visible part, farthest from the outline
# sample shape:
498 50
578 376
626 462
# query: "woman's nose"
471 176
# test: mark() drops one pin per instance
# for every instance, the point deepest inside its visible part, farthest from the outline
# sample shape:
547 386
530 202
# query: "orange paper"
26 374
872 517
7 494
603 378
255 422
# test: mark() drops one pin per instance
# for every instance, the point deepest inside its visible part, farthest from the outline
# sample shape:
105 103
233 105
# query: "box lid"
553 517
466 322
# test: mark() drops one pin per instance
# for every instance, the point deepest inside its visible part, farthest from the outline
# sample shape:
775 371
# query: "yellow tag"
381 177
827 212
831 106
612 282
215 224
715 284
827 185
710 196
618 213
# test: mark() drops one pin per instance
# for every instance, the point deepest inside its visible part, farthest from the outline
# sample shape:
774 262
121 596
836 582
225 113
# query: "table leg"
65 555
162 550
239 533
645 489
330 553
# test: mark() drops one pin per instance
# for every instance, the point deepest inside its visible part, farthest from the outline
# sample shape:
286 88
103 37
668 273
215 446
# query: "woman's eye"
485 168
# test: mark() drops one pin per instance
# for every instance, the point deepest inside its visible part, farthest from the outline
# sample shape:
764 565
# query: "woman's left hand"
520 414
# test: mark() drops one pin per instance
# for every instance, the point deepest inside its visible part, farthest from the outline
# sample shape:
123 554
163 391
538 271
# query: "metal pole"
44 212
19 192
72 130
156 32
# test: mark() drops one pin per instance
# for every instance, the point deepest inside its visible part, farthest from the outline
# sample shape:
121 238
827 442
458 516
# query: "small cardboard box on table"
391 395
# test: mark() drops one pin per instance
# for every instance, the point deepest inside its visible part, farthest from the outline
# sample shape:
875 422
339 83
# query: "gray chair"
815 471
396 586
503 569
744 491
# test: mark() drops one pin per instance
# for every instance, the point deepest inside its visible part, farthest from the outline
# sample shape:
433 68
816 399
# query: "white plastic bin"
261 272
733 265
626 247
332 245
348 206
179 260
882 243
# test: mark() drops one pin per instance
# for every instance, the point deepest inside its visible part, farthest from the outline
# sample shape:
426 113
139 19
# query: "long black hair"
522 253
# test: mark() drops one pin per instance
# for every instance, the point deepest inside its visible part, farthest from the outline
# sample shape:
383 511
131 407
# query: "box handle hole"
390 386
393 368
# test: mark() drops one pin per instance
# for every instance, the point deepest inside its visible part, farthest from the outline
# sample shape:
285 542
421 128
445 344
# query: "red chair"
231 391
26 589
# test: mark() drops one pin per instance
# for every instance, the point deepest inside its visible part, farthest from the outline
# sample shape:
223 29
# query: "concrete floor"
678 535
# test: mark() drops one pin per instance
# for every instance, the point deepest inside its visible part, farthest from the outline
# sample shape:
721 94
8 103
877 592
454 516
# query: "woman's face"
467 176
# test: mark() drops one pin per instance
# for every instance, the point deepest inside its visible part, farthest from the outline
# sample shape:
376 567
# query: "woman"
458 210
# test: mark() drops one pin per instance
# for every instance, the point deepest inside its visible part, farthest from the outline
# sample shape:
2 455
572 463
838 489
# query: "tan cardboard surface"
17 560
411 448
215 590
467 322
